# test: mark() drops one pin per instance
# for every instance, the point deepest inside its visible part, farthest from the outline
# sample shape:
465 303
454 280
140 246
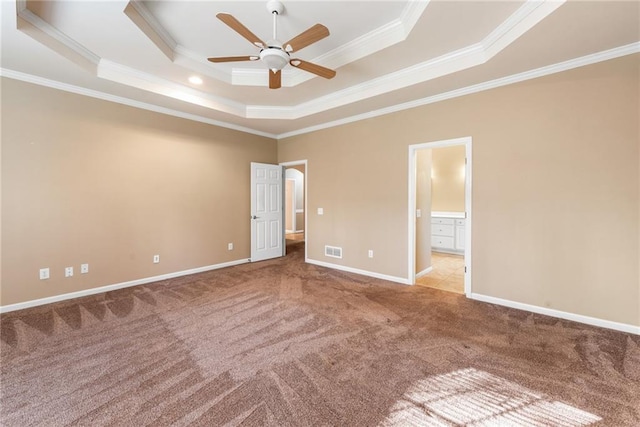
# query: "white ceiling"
388 55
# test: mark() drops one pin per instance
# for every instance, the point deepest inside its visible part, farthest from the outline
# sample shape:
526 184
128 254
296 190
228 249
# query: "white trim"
447 251
411 238
594 321
374 41
468 90
380 38
251 112
108 288
17 75
128 76
522 20
160 36
299 211
45 33
424 272
359 271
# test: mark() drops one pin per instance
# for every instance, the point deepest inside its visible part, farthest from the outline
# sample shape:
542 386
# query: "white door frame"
306 200
466 141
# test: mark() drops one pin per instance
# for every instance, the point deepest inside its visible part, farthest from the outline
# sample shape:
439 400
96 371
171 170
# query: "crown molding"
146 22
187 59
614 53
258 77
370 43
523 19
388 35
606 55
45 33
28 78
119 73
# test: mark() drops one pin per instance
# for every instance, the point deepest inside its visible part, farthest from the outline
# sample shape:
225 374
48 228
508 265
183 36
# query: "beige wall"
555 188
89 181
448 179
424 196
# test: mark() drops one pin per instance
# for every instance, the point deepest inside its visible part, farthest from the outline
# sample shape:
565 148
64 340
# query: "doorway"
296 202
440 215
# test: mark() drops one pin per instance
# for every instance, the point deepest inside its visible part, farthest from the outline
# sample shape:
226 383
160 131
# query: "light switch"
320 211
418 213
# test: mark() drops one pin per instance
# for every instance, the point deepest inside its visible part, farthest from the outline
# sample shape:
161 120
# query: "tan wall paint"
448 181
89 181
555 188
424 196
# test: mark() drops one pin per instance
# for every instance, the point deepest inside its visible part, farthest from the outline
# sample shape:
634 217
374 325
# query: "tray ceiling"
388 54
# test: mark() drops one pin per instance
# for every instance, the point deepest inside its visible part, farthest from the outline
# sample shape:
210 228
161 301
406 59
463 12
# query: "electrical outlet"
68 271
370 253
156 259
84 268
320 211
44 273
230 246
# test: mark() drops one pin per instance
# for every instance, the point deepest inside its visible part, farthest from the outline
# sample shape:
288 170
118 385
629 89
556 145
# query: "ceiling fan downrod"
275 7
274 55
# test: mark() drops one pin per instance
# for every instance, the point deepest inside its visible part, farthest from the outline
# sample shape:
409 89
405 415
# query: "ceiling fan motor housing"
275 6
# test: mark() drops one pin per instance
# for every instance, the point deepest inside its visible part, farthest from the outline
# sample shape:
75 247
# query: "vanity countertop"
456 215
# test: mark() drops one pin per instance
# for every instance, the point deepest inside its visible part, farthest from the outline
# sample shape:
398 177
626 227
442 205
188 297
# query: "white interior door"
267 211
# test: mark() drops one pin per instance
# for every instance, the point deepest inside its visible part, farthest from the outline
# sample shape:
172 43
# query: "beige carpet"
285 343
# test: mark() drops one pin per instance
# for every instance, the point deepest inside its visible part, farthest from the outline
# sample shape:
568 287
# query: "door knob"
254 217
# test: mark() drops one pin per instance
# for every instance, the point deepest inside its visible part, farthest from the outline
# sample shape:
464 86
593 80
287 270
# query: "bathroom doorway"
295 201
440 215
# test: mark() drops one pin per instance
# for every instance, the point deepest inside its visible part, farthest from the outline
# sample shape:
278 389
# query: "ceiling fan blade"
233 58
275 79
313 68
240 29
304 39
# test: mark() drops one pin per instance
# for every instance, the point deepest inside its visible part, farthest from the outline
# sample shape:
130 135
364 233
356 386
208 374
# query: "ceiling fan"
275 54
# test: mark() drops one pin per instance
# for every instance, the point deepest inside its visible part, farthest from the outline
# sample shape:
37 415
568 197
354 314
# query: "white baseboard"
424 272
623 327
447 251
358 271
107 288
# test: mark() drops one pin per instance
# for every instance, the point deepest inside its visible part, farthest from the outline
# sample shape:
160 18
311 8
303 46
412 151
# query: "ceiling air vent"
333 251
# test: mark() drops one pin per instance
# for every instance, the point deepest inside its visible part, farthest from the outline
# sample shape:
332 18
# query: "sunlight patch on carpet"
476 398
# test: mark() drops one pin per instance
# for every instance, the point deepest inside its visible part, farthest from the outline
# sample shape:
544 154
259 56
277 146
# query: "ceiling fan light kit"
275 58
275 54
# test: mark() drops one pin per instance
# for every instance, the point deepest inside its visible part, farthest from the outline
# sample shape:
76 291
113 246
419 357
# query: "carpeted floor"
282 343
